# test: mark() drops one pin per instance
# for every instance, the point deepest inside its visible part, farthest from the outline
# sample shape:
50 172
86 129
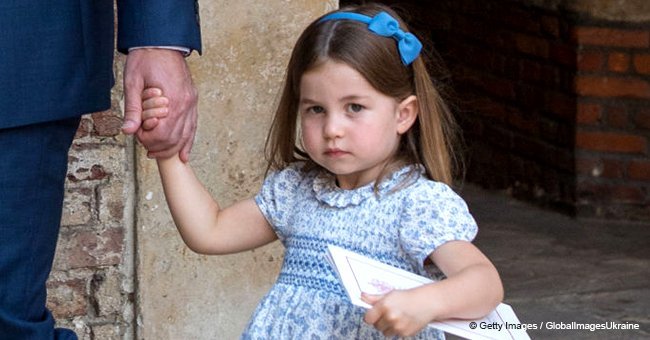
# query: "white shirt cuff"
186 51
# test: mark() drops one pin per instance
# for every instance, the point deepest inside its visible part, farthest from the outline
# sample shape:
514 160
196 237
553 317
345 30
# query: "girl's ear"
407 113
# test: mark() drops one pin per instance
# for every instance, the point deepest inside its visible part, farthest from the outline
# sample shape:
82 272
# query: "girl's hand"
471 290
399 312
154 106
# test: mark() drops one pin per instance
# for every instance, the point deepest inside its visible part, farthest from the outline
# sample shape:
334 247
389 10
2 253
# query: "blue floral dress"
400 225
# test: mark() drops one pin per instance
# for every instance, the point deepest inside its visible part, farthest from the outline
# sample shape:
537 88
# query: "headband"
383 24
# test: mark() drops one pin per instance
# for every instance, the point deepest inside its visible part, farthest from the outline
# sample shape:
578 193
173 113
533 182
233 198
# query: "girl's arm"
471 290
203 225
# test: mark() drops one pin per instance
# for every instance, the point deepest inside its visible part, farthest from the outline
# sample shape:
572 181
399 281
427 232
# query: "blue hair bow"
383 24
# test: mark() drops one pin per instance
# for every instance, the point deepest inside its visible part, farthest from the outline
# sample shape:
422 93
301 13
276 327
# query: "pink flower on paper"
381 287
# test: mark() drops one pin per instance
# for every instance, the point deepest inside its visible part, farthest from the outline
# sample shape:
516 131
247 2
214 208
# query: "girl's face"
347 126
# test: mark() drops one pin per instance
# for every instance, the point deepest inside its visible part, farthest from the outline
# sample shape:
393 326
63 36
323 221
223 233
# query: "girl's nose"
333 127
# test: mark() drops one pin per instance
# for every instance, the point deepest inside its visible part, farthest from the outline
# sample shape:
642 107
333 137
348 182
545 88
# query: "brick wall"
512 73
613 121
553 104
91 288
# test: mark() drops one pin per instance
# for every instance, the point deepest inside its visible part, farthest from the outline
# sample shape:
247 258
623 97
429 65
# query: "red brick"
588 113
642 63
107 123
598 36
465 26
611 142
81 248
96 172
84 128
611 193
499 87
590 61
435 21
551 75
642 119
629 194
612 168
561 105
598 167
639 169
587 166
612 87
532 45
67 298
535 72
564 160
527 124
564 54
530 70
618 62
490 108
519 20
617 117
551 26
498 137
565 138
530 97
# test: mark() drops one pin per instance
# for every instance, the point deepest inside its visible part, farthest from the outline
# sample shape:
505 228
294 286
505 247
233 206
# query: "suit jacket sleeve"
158 23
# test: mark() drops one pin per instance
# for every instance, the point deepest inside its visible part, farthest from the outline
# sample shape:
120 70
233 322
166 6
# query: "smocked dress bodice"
401 222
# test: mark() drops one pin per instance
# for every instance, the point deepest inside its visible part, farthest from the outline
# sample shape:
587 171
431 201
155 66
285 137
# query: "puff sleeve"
432 215
276 197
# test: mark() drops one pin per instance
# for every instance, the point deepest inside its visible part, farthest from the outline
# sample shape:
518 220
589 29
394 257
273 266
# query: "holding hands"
154 107
172 131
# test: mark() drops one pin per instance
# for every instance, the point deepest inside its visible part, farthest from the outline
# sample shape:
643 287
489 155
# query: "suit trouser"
33 166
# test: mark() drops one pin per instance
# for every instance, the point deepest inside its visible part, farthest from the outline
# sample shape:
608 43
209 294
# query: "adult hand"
167 70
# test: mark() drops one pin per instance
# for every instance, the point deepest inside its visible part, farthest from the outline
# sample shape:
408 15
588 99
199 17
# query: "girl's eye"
316 109
355 108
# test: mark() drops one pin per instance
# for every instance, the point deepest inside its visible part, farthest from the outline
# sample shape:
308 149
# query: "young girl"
359 158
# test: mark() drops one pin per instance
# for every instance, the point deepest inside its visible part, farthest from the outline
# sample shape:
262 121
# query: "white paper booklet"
359 273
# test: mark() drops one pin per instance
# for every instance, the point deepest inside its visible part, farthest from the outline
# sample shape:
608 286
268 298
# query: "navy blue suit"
56 60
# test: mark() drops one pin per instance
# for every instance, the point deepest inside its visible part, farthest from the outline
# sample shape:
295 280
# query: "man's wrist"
186 51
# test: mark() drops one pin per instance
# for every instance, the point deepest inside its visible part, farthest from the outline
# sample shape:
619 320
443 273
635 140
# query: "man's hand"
167 70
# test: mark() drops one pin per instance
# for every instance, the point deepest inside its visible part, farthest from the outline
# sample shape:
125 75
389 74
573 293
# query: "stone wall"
121 270
91 287
180 294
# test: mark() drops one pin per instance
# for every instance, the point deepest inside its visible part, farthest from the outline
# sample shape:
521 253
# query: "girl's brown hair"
428 142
